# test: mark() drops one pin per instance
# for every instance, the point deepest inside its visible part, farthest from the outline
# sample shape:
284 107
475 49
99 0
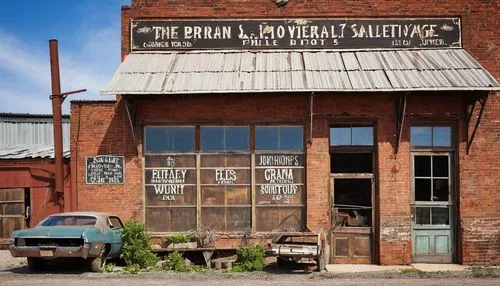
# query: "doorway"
432 210
352 219
12 211
352 194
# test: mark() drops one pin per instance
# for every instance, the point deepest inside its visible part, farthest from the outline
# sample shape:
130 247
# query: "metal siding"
264 71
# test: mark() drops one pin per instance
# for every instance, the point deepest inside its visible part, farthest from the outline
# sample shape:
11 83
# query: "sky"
88 32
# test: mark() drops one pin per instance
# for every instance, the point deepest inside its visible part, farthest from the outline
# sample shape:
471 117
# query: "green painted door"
432 209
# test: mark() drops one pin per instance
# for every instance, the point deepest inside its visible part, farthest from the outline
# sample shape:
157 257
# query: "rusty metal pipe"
57 100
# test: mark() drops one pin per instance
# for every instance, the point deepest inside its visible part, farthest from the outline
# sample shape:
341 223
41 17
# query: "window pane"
440 166
440 216
291 138
423 190
266 138
423 216
237 138
169 139
422 166
340 136
441 190
351 162
362 136
421 136
441 136
212 138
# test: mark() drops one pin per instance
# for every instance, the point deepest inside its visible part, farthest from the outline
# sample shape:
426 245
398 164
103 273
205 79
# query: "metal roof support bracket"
131 117
400 118
482 102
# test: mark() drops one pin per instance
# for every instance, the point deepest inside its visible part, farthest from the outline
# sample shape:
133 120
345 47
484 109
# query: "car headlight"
84 237
21 242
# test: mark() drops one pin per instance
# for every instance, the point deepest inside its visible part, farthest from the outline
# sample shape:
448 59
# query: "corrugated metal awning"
298 71
20 151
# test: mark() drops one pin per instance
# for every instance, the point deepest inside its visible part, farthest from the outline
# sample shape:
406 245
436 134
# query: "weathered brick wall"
480 26
101 128
480 190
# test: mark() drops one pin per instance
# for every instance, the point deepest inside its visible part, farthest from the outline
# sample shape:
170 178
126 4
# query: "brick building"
374 122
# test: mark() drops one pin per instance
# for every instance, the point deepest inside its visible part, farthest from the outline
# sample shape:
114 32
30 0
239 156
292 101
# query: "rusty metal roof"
30 136
24 151
279 71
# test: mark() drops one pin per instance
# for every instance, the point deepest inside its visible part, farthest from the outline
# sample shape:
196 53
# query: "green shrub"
108 267
131 269
176 263
135 246
249 259
179 238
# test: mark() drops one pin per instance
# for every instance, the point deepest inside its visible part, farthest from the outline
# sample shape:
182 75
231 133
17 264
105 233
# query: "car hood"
52 231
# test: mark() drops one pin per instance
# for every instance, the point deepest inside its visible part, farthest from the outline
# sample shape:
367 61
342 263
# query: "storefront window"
212 187
226 192
224 139
283 138
279 178
169 139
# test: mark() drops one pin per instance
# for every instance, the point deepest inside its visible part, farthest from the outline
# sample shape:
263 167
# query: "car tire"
96 264
36 263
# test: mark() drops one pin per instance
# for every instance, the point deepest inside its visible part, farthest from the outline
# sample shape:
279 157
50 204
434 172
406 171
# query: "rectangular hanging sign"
104 169
376 33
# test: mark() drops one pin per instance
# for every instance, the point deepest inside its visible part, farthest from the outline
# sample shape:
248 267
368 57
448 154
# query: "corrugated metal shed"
279 71
30 136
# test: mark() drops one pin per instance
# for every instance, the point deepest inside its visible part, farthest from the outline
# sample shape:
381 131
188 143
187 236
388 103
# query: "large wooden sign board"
304 33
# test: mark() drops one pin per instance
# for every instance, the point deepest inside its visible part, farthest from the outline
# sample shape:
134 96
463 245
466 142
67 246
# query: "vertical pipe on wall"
57 100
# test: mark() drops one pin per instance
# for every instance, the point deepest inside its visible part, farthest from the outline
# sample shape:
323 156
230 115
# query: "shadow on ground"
67 266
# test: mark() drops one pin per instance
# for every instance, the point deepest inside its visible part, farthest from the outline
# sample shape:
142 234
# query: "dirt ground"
14 271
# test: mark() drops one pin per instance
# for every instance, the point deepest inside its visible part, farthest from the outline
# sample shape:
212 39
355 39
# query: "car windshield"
69 220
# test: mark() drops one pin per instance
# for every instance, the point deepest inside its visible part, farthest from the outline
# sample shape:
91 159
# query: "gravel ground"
14 271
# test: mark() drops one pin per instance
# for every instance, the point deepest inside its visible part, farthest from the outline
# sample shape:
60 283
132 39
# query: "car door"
116 228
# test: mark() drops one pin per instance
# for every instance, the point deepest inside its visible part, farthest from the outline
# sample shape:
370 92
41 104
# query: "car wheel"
96 264
282 262
35 263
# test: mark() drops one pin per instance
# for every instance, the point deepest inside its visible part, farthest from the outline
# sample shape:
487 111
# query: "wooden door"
432 210
352 234
12 211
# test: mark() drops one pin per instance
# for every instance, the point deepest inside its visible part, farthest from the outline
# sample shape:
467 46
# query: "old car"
92 236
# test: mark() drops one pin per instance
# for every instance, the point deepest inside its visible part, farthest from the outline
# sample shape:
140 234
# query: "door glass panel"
352 202
423 190
351 163
423 216
440 216
440 166
422 166
441 190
